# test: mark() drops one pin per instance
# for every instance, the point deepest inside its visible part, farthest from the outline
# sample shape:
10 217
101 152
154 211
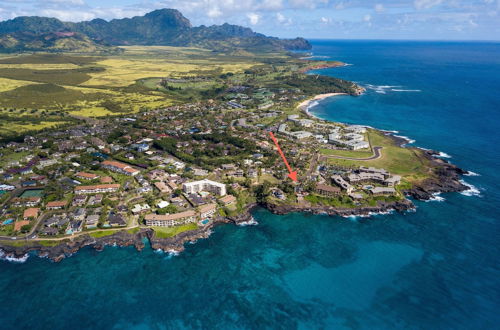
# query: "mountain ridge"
167 27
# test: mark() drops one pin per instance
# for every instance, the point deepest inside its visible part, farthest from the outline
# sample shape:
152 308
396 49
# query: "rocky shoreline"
446 179
446 176
332 64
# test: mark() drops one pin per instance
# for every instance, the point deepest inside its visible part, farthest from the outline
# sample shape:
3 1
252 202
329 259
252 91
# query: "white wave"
436 197
368 215
312 104
443 155
20 260
470 173
407 139
390 211
383 89
405 90
169 253
251 222
348 64
472 191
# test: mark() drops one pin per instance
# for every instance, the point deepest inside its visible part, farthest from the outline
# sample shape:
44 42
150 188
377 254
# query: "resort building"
204 185
119 167
139 208
227 200
300 135
162 187
207 211
339 181
365 177
377 191
25 201
31 213
168 220
86 176
91 221
327 190
56 205
19 224
100 188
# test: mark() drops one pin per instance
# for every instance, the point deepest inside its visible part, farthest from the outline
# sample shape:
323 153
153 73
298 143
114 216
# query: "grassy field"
165 232
365 153
403 161
10 84
103 233
35 86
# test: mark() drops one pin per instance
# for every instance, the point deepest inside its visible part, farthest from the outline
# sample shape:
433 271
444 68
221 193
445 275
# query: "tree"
169 209
26 228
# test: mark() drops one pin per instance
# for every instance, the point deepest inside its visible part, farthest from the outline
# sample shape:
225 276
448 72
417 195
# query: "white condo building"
204 185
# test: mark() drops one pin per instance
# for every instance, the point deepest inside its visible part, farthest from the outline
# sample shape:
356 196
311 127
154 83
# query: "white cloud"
214 12
67 2
68 15
379 8
253 18
367 18
325 20
426 4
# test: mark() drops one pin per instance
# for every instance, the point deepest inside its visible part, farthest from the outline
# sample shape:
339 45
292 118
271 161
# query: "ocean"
436 268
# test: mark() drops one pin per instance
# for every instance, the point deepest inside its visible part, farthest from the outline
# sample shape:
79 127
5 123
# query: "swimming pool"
204 222
8 222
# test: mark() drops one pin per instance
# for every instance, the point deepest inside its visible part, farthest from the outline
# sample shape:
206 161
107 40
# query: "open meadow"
55 87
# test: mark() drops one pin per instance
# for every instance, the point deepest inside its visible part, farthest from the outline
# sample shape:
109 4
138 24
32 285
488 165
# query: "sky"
314 19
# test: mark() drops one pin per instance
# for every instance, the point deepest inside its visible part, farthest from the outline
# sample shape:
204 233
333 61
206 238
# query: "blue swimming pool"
204 222
8 222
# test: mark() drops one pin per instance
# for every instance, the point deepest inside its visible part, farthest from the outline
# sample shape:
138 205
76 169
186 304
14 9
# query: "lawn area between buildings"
166 232
402 161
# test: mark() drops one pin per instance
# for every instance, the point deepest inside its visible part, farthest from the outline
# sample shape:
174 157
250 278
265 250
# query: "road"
376 155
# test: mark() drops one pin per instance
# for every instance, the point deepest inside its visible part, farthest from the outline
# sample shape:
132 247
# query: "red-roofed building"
56 205
86 176
100 188
31 213
119 167
19 224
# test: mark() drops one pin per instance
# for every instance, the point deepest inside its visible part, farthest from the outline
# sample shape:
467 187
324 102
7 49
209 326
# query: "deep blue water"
437 268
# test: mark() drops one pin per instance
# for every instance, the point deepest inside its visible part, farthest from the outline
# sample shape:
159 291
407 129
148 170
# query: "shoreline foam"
306 105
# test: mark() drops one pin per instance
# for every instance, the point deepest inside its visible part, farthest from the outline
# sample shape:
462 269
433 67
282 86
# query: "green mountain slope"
160 27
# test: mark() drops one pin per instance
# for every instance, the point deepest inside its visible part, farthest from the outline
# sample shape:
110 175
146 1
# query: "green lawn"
408 162
51 243
134 230
348 153
165 232
103 233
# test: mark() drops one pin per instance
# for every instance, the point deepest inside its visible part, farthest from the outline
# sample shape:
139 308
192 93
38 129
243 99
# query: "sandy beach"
304 106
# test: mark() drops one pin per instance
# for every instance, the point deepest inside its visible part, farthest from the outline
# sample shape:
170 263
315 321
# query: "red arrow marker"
292 174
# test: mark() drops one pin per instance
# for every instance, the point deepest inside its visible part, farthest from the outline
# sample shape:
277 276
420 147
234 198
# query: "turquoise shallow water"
436 268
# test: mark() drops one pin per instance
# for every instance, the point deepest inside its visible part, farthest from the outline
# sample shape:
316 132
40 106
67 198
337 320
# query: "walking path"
376 155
